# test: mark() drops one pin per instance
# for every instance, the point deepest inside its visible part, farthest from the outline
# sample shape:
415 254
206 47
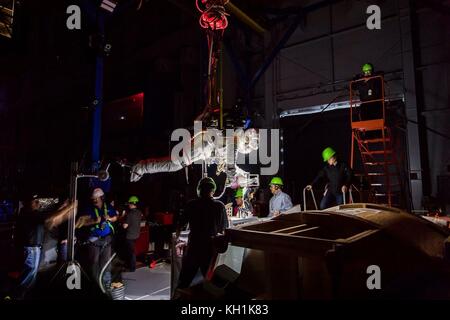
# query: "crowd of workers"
207 217
100 226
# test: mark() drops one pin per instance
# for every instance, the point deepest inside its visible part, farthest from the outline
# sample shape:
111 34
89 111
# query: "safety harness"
97 215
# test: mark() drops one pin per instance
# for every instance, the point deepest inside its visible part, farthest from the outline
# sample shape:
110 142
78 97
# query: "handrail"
304 198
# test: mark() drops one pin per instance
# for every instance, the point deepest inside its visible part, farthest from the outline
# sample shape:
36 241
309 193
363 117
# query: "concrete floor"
148 284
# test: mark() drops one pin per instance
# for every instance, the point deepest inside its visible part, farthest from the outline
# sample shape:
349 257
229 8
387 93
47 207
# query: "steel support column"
411 104
98 100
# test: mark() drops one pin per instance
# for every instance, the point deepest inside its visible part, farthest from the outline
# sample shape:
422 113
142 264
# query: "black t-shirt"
30 227
206 217
368 90
337 176
133 219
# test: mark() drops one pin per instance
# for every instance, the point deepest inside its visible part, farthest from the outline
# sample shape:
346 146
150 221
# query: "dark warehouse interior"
224 149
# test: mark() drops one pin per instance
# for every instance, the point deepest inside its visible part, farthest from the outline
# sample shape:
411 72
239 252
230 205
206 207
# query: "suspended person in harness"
99 218
339 177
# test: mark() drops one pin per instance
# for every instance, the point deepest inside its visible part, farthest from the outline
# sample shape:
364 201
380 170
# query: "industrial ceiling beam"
241 15
272 55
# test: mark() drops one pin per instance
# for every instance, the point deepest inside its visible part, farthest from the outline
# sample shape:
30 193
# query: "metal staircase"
376 146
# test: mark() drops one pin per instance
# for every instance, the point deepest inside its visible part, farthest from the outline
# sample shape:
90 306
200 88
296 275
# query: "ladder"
376 146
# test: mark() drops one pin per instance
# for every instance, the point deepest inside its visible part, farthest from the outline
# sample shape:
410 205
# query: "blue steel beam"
98 102
94 12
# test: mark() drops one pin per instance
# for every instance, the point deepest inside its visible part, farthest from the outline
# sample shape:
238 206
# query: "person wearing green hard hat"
239 194
280 201
338 177
207 218
243 207
367 69
368 86
132 226
133 200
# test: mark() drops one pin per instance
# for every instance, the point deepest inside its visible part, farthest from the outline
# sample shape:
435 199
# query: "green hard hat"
205 181
367 67
133 199
276 181
327 154
239 193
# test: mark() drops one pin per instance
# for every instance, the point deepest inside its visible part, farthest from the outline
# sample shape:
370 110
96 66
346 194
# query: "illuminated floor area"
148 284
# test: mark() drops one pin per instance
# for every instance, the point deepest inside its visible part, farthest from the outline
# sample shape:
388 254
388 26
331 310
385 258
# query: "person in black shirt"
132 226
369 88
31 226
339 177
207 218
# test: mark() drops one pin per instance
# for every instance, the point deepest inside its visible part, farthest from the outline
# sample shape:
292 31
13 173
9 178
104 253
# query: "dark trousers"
371 111
193 260
62 252
99 252
330 200
130 254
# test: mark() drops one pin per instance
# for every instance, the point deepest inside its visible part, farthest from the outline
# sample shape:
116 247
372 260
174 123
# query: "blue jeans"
30 270
330 200
62 252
